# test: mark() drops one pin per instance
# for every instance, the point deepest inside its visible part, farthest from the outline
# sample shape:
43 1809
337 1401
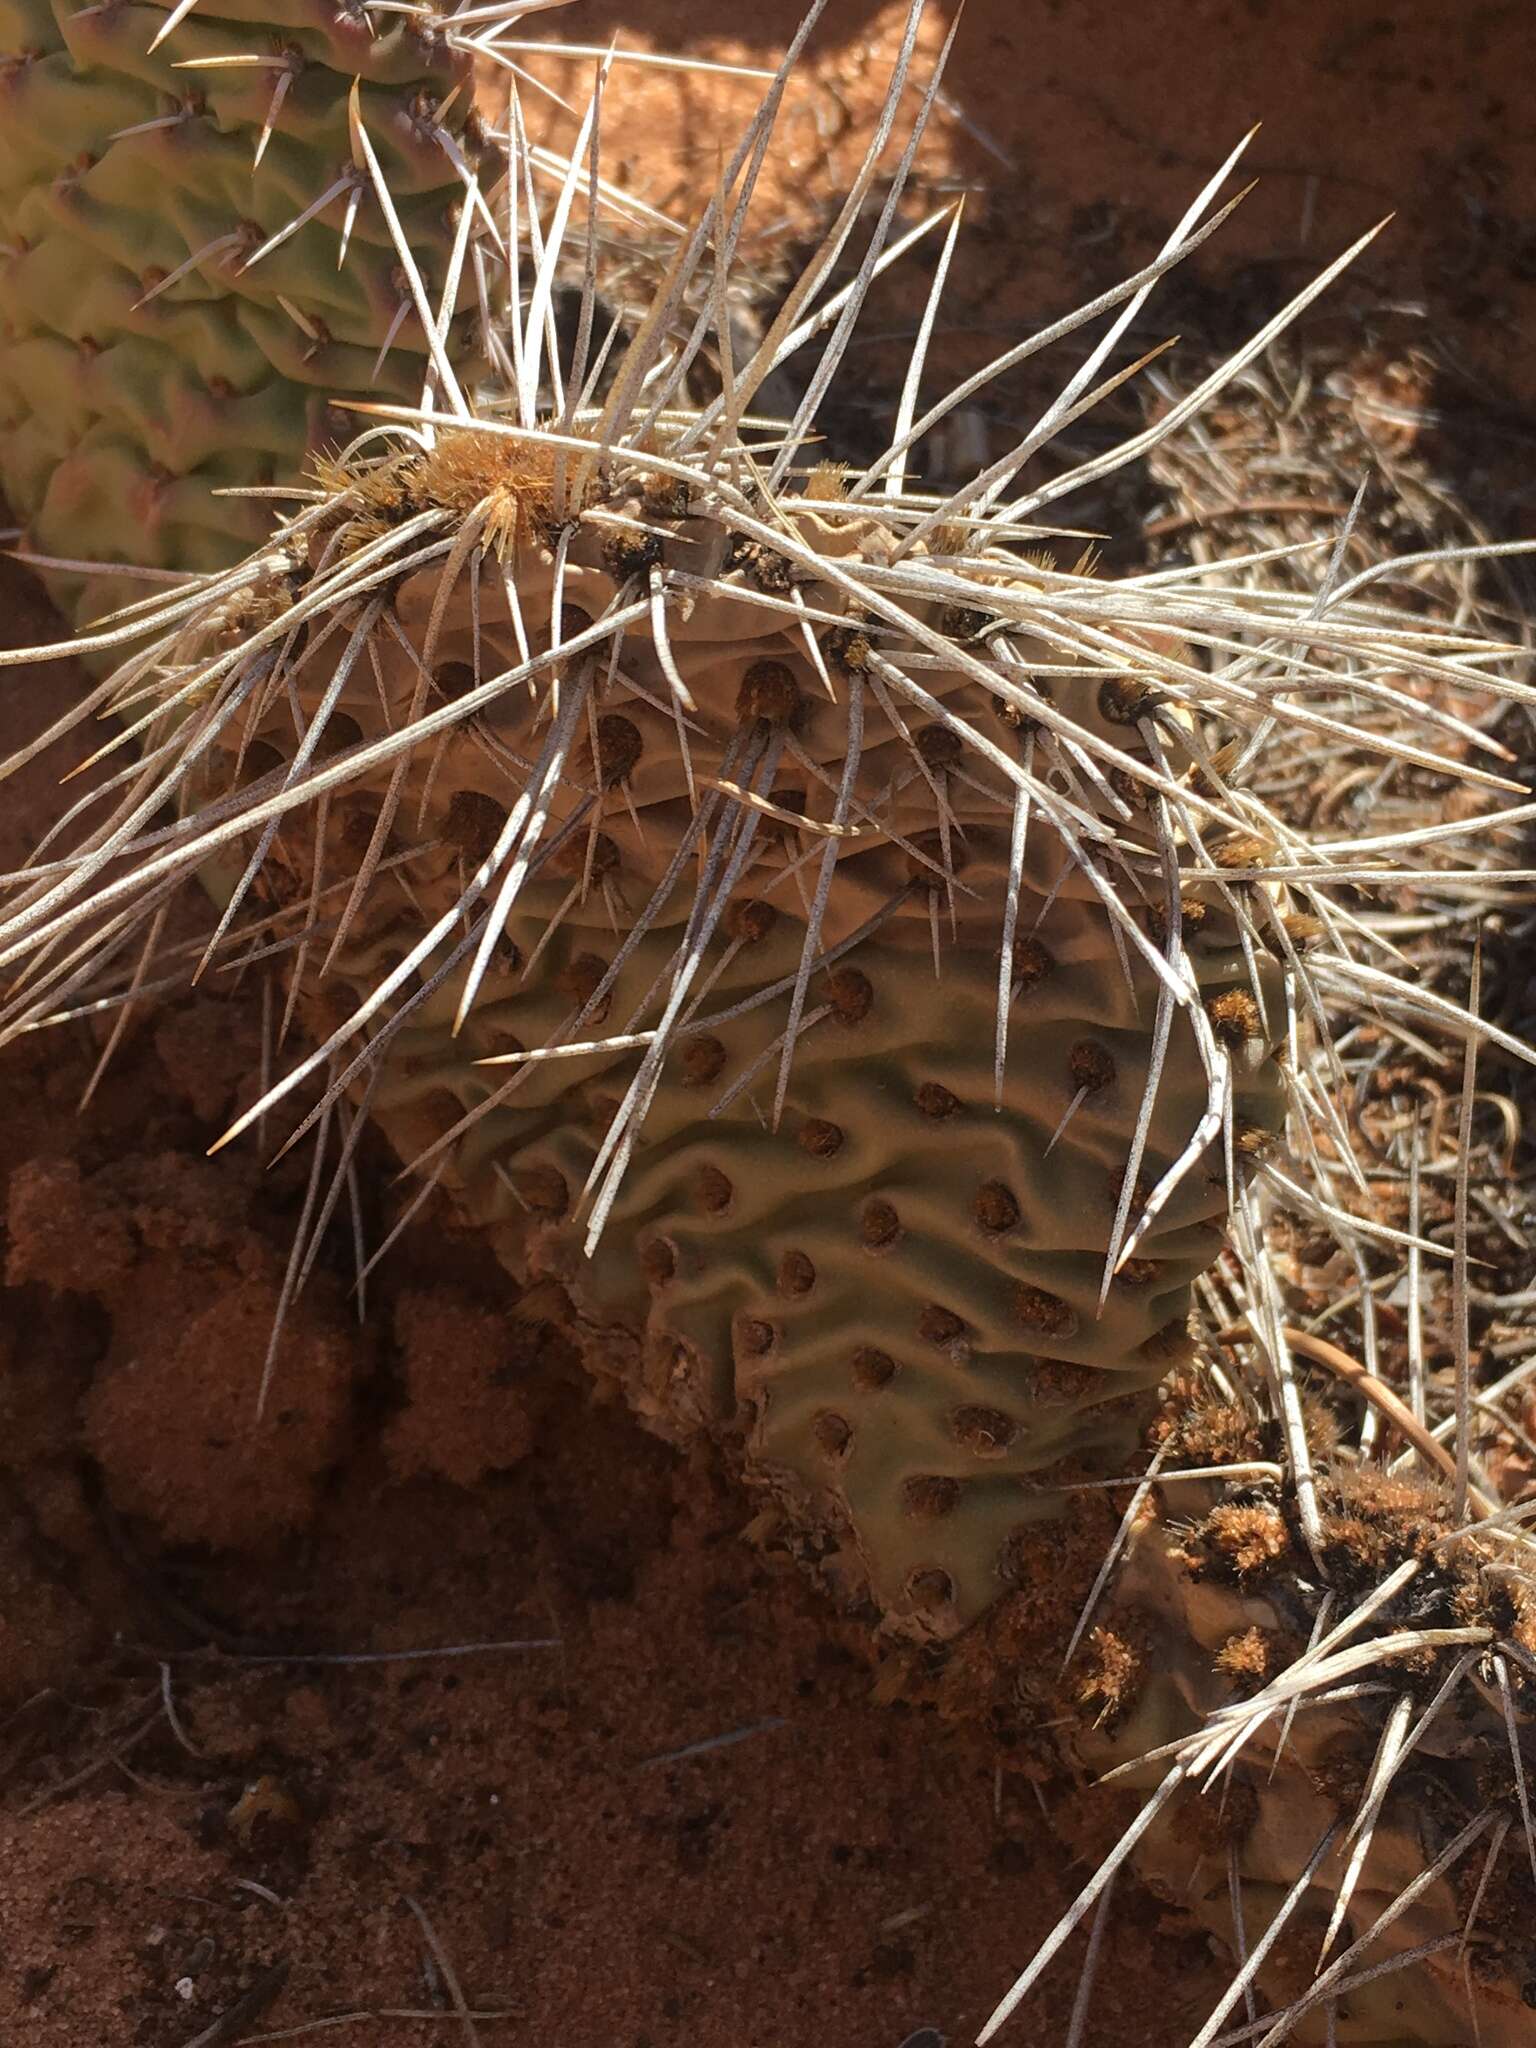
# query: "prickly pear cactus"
174 320
880 1262
847 962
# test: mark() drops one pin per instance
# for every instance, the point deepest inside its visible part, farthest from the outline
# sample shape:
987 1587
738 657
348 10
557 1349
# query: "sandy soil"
217 1825
1080 130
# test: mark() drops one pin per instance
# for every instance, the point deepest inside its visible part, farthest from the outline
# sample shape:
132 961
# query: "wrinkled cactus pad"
888 1290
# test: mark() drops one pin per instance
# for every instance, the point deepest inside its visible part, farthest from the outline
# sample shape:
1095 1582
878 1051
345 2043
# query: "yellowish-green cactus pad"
165 331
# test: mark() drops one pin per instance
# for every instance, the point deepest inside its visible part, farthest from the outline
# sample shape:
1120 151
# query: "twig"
673 1756
1176 522
349 1657
231 2024
1377 1392
1459 1258
374 2012
450 1976
100 1763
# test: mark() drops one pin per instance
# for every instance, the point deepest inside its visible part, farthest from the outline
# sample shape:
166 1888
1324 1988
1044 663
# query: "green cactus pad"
122 413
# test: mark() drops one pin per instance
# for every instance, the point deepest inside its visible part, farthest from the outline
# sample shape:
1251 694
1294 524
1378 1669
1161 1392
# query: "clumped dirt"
654 1796
1080 130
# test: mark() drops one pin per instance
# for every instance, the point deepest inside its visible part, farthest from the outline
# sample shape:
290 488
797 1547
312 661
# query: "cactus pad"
1369 1811
154 346
885 1287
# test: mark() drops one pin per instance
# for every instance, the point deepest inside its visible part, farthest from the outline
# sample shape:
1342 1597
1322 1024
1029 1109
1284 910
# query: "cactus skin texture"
886 1307
121 413
886 1298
